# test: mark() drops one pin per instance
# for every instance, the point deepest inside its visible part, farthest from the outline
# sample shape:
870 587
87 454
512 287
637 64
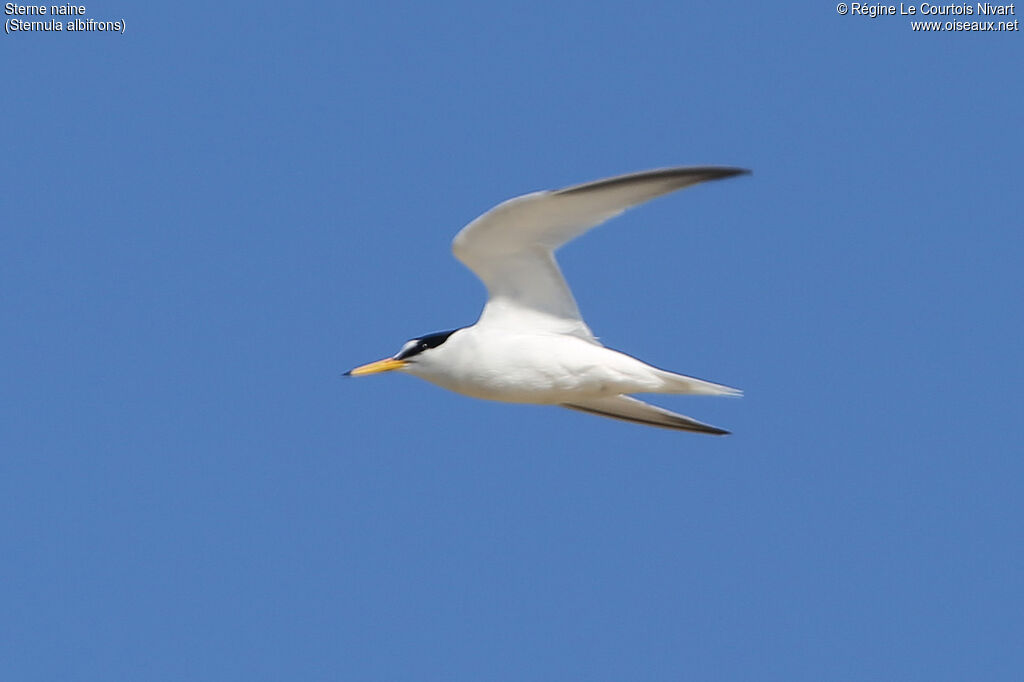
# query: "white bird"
531 344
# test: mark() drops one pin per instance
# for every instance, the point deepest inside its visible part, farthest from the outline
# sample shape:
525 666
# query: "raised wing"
511 247
632 410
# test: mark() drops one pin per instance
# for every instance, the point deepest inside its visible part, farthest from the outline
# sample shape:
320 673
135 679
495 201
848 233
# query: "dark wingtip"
347 374
711 430
677 176
717 173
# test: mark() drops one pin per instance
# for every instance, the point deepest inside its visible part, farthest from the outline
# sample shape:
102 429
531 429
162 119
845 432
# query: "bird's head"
412 352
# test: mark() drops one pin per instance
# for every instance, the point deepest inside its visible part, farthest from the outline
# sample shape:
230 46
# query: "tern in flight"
531 344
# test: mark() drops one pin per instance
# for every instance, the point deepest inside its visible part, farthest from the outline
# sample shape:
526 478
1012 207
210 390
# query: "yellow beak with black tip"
385 365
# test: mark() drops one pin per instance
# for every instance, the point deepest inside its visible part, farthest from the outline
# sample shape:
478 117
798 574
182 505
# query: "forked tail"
679 383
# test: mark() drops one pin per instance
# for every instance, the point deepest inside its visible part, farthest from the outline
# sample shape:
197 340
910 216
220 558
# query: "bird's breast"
545 369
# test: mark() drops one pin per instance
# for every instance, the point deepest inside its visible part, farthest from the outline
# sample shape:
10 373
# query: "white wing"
632 410
511 247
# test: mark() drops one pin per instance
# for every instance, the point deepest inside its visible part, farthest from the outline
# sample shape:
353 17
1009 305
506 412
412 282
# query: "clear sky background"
206 220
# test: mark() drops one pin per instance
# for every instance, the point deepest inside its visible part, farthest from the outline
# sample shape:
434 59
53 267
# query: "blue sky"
208 219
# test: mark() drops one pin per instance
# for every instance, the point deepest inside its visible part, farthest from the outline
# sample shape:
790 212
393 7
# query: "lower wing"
632 410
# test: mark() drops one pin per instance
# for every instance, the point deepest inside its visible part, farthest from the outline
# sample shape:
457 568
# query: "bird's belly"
548 372
520 388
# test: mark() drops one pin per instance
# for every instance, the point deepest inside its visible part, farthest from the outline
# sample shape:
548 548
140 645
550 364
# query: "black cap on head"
417 346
